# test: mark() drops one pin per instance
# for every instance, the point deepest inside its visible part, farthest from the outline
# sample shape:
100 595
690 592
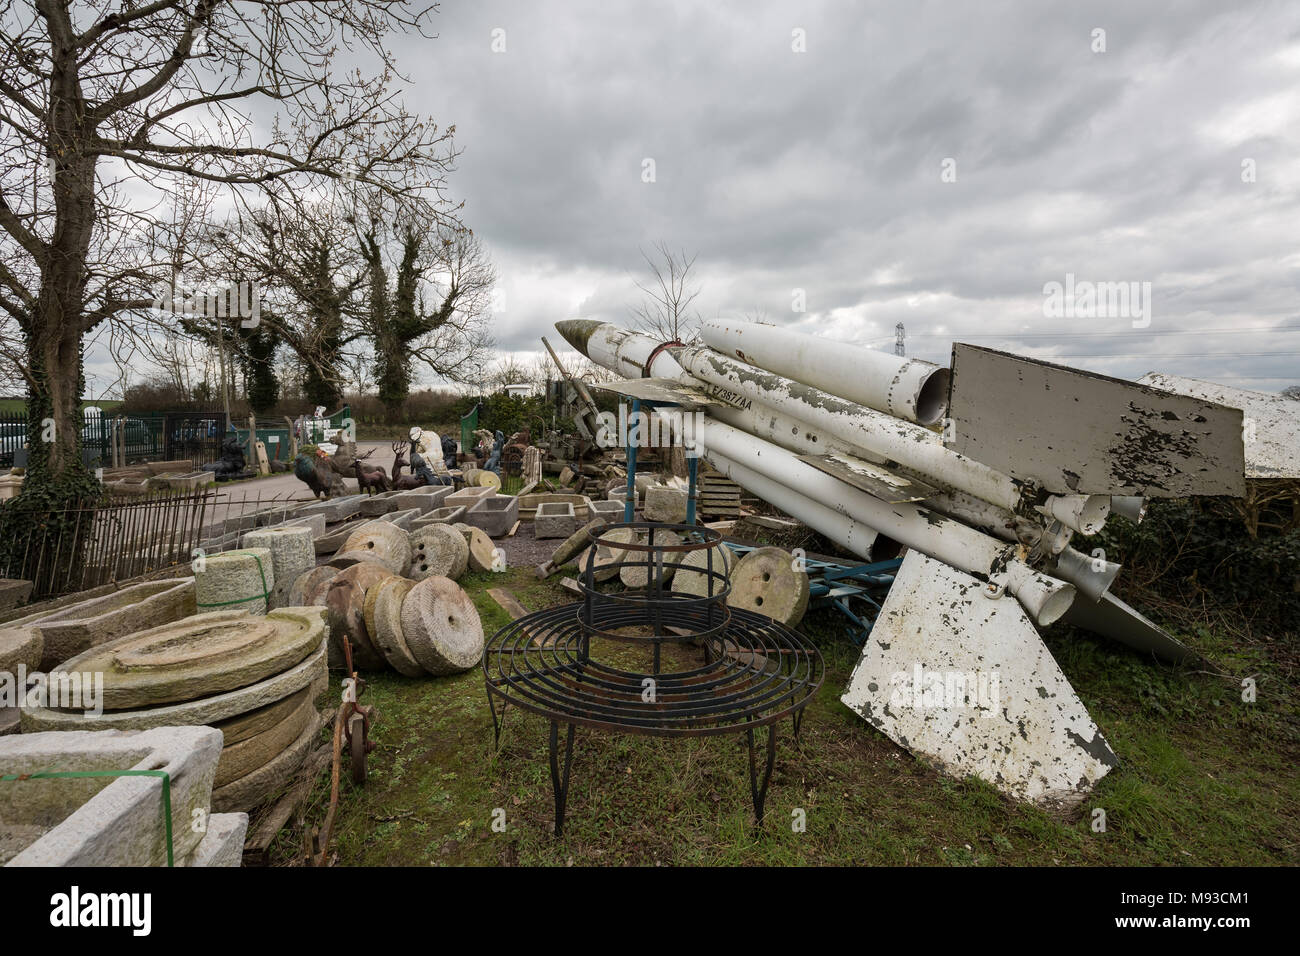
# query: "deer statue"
401 481
370 480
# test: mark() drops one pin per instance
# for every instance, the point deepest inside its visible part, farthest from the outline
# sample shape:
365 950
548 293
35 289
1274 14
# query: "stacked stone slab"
293 552
48 637
255 678
115 821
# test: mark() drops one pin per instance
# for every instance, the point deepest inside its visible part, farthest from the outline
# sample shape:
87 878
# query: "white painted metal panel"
1001 709
1272 423
1076 432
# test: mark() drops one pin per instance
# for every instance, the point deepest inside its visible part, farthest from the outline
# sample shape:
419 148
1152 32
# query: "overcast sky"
823 170
935 164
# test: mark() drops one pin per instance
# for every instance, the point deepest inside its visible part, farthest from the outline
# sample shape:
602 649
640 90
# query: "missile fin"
1111 617
966 682
1076 432
661 390
873 479
1272 422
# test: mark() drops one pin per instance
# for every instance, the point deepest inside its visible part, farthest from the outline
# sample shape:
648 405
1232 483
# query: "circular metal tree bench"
753 671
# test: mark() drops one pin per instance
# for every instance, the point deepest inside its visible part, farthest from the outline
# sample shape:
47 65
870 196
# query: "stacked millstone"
254 678
386 620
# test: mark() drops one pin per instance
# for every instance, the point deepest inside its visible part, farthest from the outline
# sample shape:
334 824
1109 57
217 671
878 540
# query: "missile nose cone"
577 332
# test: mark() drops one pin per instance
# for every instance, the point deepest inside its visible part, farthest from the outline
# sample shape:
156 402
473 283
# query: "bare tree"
666 312
103 114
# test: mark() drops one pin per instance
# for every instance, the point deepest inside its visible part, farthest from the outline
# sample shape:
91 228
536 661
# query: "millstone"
489 479
345 559
293 552
692 573
391 544
441 626
636 577
607 557
242 757
199 656
765 581
304 586
345 603
438 550
235 580
257 787
482 552
385 623
311 674
259 721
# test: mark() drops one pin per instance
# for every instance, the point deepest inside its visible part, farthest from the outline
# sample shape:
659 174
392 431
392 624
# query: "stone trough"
114 821
555 519
495 515
528 504
74 628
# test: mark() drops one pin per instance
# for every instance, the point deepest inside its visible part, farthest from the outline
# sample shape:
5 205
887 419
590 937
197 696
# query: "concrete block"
611 511
402 519
334 509
665 504
425 498
379 504
223 841
468 497
495 515
555 520
446 515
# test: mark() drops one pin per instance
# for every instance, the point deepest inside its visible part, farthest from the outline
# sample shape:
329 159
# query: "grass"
1203 778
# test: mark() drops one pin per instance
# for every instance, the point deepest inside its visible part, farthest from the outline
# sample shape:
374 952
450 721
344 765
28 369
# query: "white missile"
922 529
906 388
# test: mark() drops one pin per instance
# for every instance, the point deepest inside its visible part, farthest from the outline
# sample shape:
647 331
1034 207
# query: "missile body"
906 388
920 528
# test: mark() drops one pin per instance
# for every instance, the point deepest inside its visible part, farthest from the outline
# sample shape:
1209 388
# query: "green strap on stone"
265 595
71 774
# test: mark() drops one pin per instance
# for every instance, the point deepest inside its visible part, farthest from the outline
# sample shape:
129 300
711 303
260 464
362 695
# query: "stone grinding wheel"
688 580
345 611
304 586
390 544
438 550
482 552
240 580
441 626
242 757
384 618
293 552
200 656
637 577
607 556
488 479
765 581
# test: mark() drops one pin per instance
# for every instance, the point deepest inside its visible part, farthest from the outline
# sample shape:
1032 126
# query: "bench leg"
560 783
